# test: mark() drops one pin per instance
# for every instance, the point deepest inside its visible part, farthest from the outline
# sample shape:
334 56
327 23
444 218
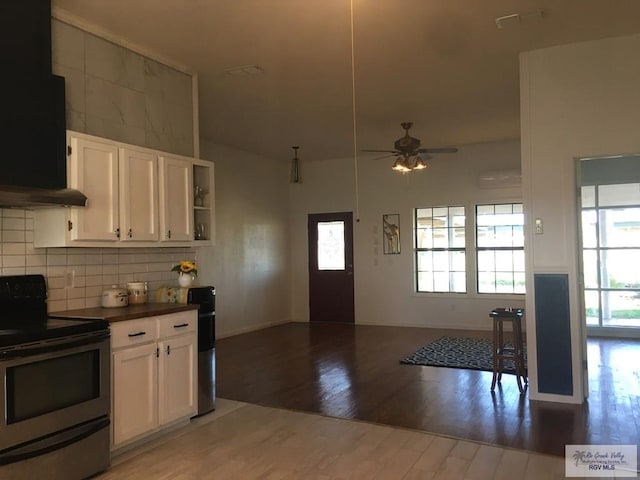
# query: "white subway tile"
76 303
11 248
78 292
57 294
94 270
93 302
12 223
36 260
56 305
13 236
56 259
14 261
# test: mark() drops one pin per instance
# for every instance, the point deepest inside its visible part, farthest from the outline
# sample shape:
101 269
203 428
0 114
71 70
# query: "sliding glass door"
610 227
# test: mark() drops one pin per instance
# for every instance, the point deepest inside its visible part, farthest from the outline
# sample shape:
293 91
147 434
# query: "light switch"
538 226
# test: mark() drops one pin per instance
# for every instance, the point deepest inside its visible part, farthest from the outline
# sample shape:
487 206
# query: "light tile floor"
244 441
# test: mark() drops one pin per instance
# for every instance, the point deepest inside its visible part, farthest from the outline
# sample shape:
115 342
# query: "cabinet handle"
169 234
181 325
130 233
157 352
137 334
117 232
168 349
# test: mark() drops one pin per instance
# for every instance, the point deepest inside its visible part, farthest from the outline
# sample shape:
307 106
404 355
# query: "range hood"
12 196
33 114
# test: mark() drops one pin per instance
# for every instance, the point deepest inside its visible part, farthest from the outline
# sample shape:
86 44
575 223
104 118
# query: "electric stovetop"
23 313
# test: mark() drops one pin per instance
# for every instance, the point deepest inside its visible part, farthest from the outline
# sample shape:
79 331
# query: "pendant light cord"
353 110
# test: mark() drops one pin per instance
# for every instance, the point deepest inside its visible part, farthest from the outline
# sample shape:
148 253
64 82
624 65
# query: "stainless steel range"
55 387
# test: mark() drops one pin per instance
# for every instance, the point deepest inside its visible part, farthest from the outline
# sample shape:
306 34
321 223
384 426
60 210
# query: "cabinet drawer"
177 324
133 332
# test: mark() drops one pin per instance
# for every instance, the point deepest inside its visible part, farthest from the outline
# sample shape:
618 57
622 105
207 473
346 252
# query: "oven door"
52 386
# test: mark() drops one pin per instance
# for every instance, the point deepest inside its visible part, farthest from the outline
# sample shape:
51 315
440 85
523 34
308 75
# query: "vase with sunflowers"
187 272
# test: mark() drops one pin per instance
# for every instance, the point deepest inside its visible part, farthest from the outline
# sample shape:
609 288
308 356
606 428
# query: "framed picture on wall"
391 231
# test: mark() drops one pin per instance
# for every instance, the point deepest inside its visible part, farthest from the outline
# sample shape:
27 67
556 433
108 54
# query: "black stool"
501 351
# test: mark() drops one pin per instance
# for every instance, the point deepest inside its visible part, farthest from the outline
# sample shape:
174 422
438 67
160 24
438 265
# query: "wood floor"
353 372
244 441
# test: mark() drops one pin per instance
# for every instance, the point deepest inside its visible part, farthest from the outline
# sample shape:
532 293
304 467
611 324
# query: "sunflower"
186 266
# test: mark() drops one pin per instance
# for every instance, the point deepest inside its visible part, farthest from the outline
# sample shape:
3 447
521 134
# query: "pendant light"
295 167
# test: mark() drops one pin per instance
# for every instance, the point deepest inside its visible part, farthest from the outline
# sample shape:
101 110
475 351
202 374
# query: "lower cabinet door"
177 378
135 392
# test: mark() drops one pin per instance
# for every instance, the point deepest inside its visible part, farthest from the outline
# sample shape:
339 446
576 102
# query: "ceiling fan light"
419 164
399 165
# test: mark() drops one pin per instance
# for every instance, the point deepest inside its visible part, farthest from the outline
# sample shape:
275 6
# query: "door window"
331 246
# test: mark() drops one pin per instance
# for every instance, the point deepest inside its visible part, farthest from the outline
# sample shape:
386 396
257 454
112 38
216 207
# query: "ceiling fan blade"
381 151
385 156
438 150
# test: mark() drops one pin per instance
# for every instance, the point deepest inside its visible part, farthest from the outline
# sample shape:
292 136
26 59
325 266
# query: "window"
500 248
331 246
440 249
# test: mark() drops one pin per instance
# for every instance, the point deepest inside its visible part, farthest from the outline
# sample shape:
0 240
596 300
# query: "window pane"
519 282
615 269
588 197
458 240
457 260
589 231
441 261
486 282
504 261
620 309
486 261
620 227
425 282
441 281
440 238
425 261
486 236
620 194
518 261
592 307
458 282
504 282
331 253
590 267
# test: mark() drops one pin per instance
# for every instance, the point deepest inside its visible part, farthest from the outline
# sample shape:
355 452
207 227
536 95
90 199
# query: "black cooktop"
15 333
23 313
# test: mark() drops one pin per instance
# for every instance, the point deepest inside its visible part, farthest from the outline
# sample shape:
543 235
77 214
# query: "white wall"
384 291
577 100
249 265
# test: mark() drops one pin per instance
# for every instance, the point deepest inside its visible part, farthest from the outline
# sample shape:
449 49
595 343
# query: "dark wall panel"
553 334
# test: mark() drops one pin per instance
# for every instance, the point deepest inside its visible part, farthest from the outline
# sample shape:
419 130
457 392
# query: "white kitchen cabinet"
176 379
154 380
93 169
135 399
137 197
138 187
176 199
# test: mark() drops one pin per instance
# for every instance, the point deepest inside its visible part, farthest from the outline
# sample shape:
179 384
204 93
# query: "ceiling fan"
409 154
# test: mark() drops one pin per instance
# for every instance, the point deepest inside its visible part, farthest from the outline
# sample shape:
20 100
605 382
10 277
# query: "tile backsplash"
77 276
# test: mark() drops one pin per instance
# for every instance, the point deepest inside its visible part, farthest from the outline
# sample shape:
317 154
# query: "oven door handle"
53 346
51 444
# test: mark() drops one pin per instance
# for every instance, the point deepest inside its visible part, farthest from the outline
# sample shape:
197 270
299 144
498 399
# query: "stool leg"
500 349
518 359
495 354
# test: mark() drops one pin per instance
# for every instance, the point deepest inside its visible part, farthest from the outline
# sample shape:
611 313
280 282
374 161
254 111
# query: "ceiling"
442 64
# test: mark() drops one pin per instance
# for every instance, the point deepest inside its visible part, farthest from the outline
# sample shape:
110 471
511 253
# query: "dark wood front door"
331 267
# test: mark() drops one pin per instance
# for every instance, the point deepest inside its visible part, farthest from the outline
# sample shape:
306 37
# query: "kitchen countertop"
119 314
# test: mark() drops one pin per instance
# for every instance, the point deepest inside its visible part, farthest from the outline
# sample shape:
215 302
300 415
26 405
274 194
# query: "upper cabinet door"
176 199
93 169
138 195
